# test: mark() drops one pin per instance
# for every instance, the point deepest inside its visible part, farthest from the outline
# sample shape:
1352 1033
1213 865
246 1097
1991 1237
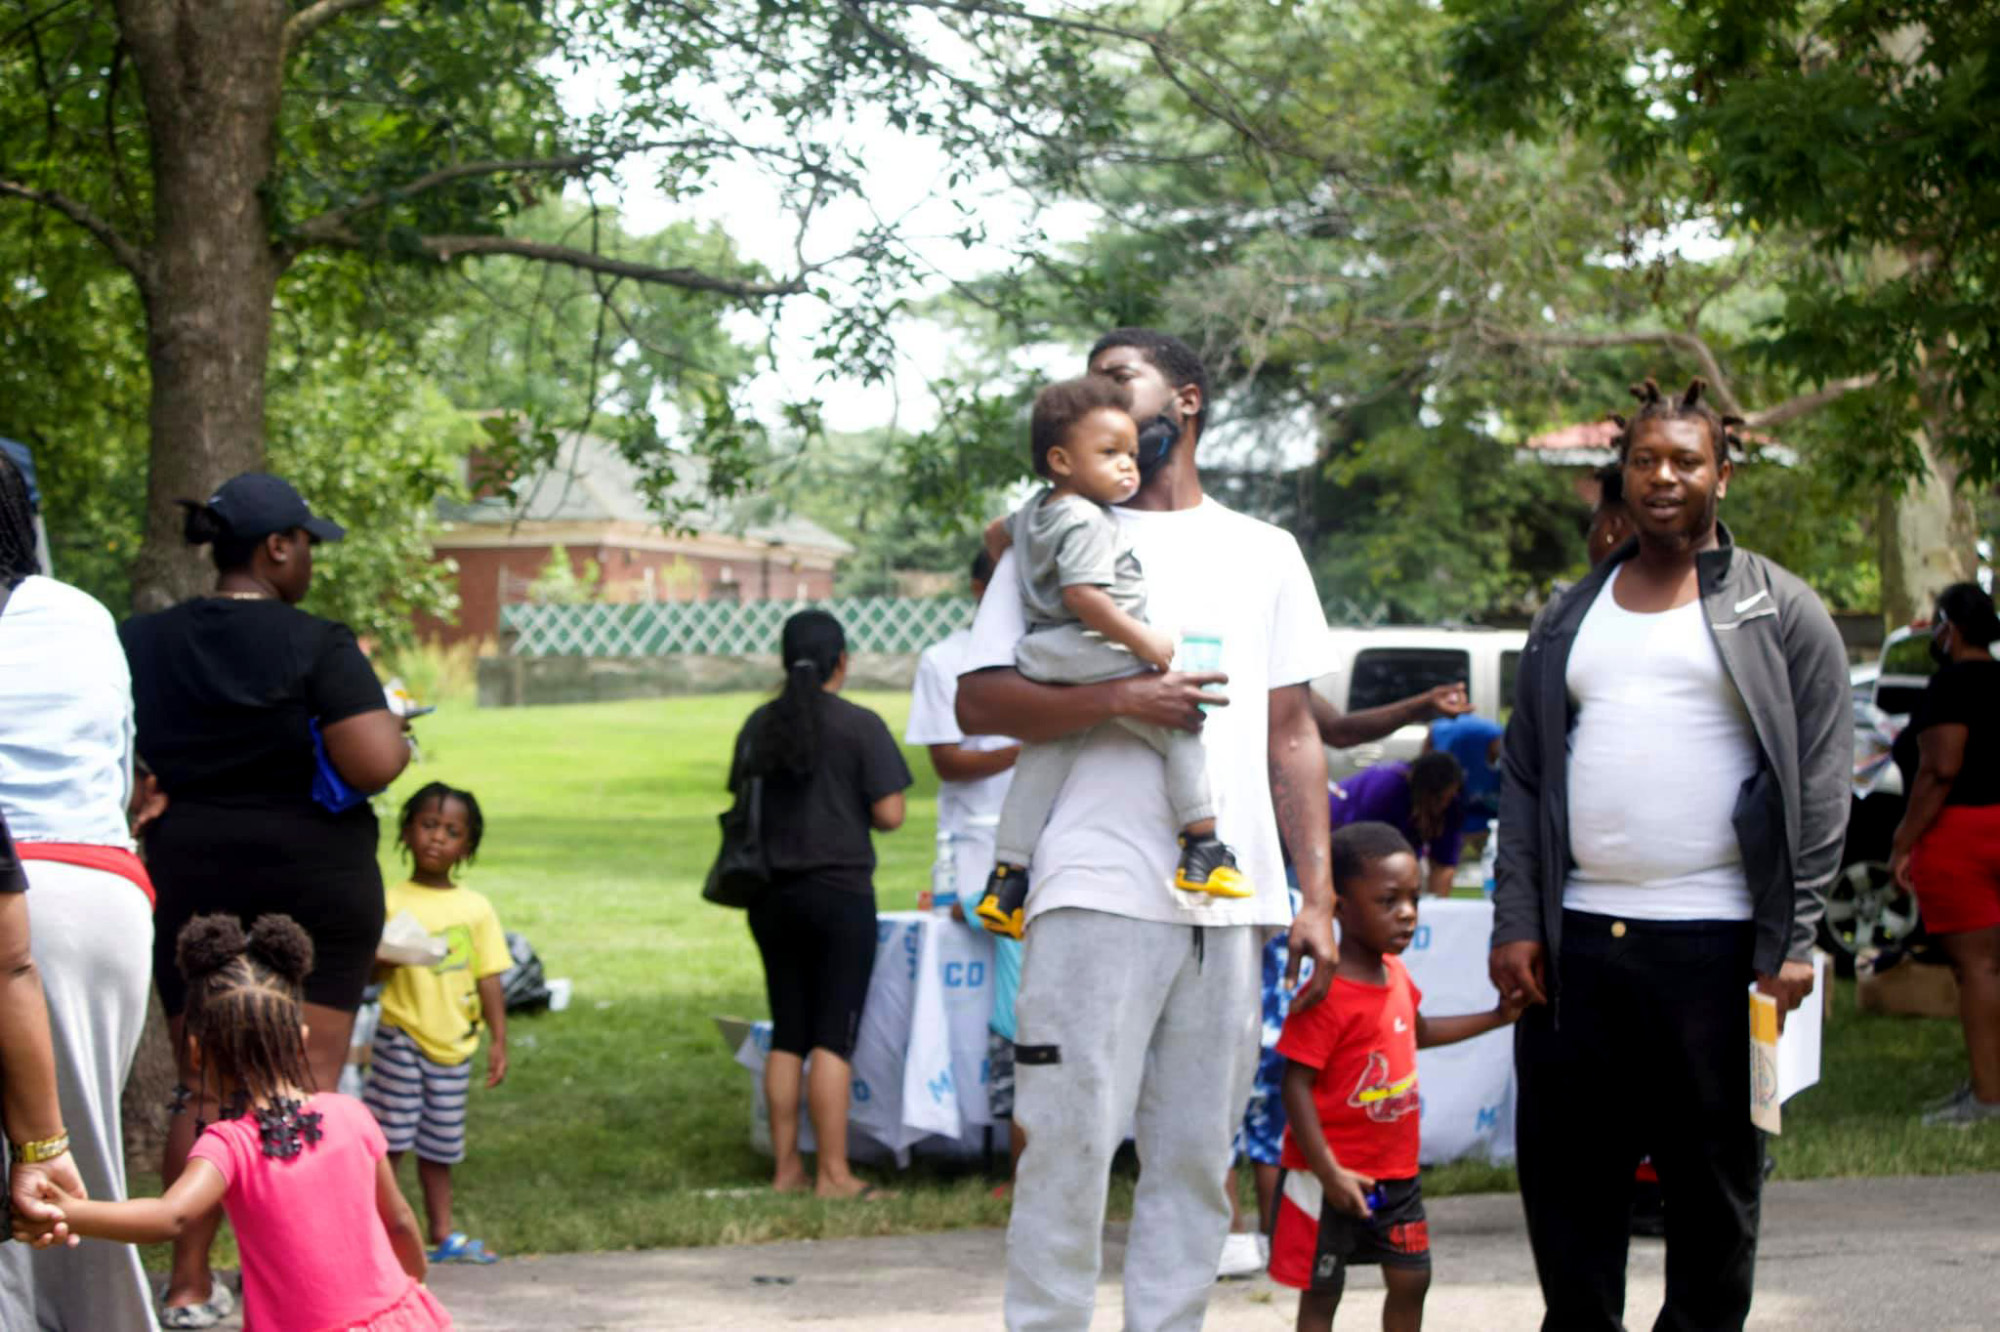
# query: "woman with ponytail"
832 772
237 694
327 1239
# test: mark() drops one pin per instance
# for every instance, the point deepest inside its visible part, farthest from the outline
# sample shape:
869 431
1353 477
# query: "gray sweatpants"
1072 654
1119 1017
93 943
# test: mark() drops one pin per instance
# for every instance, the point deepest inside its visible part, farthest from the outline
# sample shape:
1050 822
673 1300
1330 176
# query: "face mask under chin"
1156 444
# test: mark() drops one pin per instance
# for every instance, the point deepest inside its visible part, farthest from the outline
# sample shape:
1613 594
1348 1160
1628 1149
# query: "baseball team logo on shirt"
1385 1101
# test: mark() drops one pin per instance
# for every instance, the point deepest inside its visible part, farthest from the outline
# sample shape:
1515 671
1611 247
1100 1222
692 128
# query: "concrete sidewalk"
1903 1254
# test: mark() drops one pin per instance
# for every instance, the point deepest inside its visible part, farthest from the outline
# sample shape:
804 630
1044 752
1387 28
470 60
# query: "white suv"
1378 666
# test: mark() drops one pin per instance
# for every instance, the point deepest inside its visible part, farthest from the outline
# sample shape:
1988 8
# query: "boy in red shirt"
1349 1194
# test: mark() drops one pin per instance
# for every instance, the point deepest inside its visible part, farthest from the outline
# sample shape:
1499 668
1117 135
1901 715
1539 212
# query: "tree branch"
327 226
127 254
446 248
1691 344
1807 403
316 16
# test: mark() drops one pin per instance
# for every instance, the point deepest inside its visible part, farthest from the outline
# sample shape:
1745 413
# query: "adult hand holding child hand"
38 1194
1519 970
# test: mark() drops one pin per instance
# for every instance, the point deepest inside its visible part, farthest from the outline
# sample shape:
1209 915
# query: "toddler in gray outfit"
1085 598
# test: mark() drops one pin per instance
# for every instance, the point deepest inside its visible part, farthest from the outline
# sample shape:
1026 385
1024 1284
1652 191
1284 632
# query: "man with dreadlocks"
1674 804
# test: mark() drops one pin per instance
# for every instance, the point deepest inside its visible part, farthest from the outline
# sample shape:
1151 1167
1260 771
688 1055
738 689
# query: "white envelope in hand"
405 943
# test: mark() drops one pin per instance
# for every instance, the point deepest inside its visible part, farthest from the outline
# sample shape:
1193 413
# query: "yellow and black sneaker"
1207 866
1004 908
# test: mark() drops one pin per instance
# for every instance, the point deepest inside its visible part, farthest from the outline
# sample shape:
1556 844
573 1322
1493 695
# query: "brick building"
590 504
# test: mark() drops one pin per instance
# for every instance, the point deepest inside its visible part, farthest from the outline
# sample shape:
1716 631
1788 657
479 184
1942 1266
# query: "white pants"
1117 1018
93 944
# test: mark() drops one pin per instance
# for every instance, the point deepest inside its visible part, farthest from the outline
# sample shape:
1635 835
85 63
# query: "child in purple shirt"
1423 800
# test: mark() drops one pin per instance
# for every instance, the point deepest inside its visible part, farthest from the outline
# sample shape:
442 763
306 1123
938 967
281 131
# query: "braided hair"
18 559
243 1002
438 793
1692 405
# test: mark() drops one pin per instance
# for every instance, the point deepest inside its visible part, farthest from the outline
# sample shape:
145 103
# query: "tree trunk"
210 72
1927 536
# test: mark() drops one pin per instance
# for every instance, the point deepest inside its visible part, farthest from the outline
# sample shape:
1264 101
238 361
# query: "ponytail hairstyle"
244 993
788 740
1434 779
18 559
203 526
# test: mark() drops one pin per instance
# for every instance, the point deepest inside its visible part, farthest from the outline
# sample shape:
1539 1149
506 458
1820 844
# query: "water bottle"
1201 650
944 874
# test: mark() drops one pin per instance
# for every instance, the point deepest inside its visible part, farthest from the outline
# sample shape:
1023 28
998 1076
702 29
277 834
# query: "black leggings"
818 945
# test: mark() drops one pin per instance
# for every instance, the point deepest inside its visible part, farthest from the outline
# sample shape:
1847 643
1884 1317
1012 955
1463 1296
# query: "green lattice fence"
650 629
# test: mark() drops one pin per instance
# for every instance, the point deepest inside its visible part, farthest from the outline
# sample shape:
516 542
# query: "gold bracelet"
45 1149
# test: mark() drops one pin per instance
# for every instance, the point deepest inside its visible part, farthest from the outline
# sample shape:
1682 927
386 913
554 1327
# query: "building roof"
592 482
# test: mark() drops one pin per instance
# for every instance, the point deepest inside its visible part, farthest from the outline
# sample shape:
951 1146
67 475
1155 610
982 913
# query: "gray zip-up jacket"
1786 659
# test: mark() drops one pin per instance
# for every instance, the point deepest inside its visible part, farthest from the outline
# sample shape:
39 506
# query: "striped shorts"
418 1103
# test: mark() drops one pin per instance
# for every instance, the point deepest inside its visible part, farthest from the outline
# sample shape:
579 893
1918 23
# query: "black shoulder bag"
741 871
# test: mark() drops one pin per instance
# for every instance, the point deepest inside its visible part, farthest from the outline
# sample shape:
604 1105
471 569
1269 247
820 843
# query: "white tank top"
1661 746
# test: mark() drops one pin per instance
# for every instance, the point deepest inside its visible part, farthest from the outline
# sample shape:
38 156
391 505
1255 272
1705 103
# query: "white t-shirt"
963 807
65 718
968 811
1661 745
1110 842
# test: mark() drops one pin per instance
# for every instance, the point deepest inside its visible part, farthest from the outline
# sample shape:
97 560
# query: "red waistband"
111 859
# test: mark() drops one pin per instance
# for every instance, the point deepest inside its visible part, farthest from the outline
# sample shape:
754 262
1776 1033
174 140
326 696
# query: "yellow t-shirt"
439 1005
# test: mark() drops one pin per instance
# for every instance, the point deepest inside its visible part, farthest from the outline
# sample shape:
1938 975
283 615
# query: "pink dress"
316 1256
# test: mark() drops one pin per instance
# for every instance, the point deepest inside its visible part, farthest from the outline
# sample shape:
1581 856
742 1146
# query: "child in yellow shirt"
421 1071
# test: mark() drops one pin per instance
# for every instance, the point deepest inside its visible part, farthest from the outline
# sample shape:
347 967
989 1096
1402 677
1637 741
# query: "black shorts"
818 946
1313 1243
315 867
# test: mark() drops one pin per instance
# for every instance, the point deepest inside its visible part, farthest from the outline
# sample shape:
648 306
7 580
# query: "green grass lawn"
625 1123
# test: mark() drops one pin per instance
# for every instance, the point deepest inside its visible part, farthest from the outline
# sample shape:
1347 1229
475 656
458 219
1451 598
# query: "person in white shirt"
66 732
1137 1008
973 774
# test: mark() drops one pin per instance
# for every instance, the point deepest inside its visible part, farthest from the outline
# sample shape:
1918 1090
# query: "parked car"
1378 666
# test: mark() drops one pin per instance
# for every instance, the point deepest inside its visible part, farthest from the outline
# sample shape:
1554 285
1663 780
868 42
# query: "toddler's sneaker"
1004 907
1207 866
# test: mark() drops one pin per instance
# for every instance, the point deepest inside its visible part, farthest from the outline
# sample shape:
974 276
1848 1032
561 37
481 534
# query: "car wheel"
1866 908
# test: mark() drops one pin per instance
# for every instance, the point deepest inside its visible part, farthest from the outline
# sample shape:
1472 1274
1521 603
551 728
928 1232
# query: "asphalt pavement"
1912 1255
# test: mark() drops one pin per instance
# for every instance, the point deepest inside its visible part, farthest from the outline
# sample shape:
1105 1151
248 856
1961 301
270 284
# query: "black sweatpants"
1647 1049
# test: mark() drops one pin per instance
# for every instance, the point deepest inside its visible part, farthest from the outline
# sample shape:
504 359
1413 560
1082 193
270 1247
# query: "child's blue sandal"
458 1249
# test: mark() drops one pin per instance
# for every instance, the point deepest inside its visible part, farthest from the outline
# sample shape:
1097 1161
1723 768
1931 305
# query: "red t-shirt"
1363 1040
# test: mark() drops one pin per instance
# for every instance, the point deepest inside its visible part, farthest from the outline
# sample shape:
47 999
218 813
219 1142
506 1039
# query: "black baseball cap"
257 504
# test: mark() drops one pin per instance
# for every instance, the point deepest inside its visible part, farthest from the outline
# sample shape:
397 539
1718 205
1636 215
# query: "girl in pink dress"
327 1239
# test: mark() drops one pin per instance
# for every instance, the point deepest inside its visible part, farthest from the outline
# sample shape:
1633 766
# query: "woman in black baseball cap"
231 690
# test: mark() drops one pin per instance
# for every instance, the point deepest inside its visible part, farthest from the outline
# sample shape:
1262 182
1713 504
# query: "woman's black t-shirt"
1967 693
817 827
224 693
